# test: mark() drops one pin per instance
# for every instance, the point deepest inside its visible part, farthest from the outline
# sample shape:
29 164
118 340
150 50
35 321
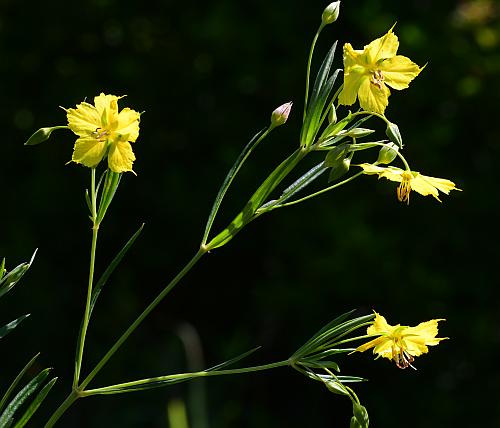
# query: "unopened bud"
43 134
280 115
393 134
332 115
387 153
358 132
339 160
331 13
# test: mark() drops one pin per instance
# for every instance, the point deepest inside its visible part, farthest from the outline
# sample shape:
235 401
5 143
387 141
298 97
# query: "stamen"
100 134
377 79
404 189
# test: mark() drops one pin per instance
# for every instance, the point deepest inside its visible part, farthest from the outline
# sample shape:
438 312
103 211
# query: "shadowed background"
208 75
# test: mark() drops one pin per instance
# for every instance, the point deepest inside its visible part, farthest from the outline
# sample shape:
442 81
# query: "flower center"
404 189
377 79
100 134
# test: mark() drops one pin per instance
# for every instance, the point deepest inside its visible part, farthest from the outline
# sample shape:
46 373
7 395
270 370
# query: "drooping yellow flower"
367 73
411 180
401 343
103 131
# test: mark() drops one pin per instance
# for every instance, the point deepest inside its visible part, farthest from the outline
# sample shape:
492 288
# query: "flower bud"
393 134
331 13
280 115
358 132
332 115
43 134
387 153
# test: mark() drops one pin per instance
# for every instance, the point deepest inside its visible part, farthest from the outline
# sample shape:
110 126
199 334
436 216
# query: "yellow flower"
367 72
103 131
401 343
411 180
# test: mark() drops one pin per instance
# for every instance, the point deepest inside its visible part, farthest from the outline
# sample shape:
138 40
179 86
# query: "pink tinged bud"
331 13
280 115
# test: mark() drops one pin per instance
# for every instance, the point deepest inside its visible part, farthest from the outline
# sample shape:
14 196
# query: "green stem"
309 61
70 399
180 376
85 322
141 318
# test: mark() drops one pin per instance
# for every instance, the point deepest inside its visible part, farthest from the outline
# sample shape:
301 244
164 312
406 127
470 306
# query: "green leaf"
295 187
247 214
322 75
16 381
312 123
233 360
35 404
12 278
392 132
7 328
331 138
8 414
43 134
112 266
161 381
252 144
111 183
2 268
304 349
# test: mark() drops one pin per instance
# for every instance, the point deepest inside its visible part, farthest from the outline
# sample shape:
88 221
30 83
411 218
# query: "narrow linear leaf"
246 215
22 396
303 349
111 183
233 360
297 186
252 144
6 329
112 266
2 268
35 404
12 278
16 381
323 73
162 381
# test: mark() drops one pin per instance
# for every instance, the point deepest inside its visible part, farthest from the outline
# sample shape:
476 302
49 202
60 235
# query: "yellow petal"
427 330
120 157
399 71
372 343
88 151
379 325
391 173
414 345
107 107
128 124
441 184
84 119
372 97
354 75
383 47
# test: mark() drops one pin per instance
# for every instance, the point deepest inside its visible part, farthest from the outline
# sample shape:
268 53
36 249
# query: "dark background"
208 75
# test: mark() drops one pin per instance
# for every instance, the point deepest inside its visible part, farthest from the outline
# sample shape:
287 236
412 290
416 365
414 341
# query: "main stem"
141 318
85 322
78 391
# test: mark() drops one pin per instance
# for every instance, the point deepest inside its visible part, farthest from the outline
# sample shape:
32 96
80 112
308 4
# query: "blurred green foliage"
208 75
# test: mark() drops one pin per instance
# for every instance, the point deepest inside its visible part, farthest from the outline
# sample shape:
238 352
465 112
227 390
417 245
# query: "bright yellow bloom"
367 72
410 180
401 343
103 131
